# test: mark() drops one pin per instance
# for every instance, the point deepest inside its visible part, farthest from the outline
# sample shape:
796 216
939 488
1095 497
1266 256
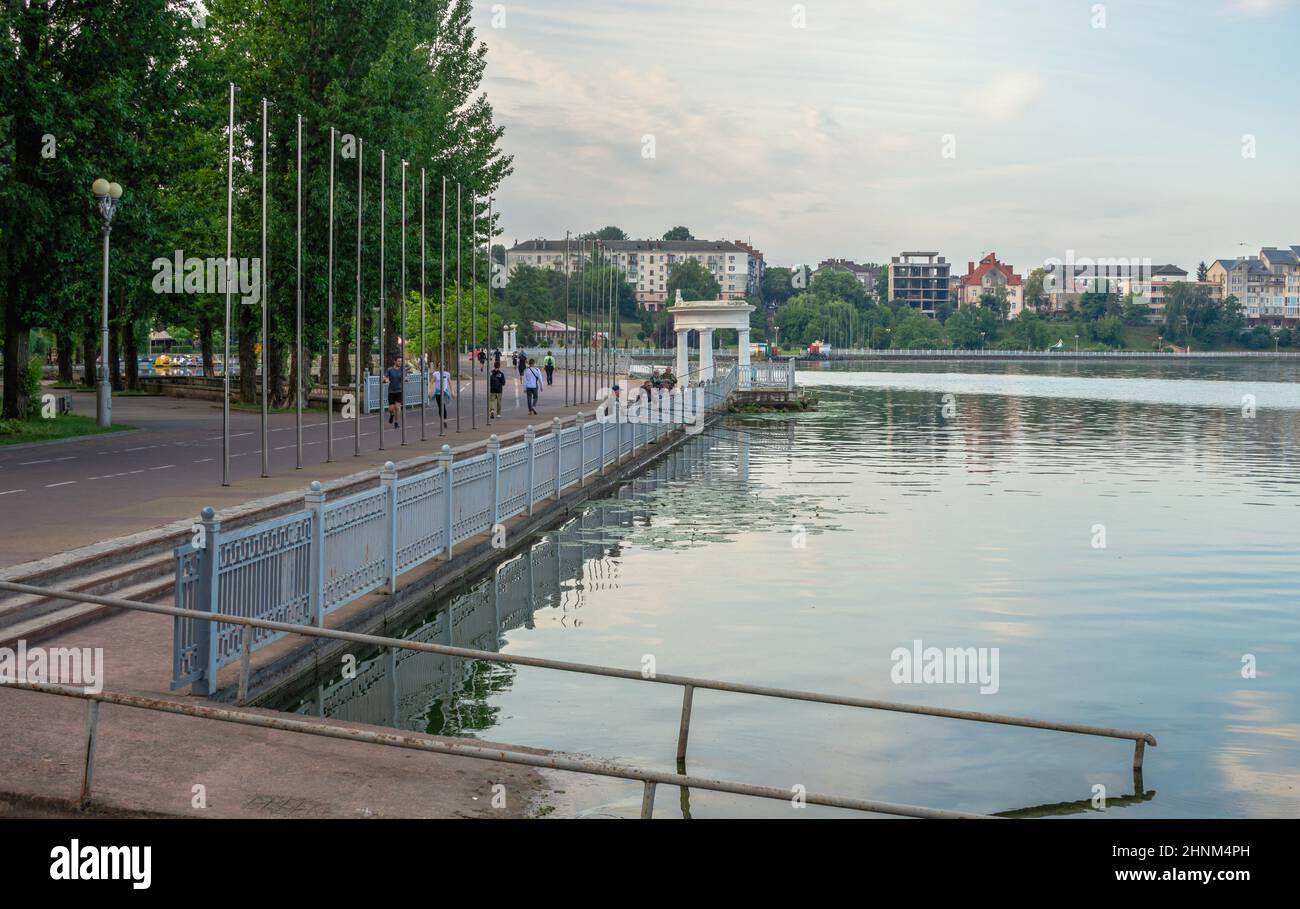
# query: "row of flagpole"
404 342
592 366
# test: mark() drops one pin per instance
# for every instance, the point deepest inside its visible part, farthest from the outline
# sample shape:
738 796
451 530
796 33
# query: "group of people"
530 375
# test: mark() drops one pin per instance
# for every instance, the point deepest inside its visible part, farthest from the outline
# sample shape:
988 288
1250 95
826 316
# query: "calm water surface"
974 529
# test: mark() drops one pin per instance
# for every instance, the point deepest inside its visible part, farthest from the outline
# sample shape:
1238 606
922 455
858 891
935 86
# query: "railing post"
315 502
789 374
245 663
92 732
648 801
558 437
447 462
388 478
530 442
494 451
684 730
600 438
582 450
209 600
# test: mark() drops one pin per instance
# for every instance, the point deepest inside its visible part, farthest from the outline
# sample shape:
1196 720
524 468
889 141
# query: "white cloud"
1008 96
1260 7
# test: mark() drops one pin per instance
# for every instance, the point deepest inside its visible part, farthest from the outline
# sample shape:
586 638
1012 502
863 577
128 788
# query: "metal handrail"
687 683
649 778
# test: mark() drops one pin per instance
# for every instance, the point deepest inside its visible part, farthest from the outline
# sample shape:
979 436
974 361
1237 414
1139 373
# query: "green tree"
678 233
693 280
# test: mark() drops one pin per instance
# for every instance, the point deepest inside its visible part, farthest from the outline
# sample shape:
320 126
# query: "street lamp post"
109 196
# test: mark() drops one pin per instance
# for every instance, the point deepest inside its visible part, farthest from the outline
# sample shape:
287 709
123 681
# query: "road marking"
9 492
25 463
164 467
204 460
64 483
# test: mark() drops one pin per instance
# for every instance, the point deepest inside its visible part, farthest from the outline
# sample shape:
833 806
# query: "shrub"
32 385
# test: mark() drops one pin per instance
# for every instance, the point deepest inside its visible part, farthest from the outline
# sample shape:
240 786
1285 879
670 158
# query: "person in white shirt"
440 390
532 385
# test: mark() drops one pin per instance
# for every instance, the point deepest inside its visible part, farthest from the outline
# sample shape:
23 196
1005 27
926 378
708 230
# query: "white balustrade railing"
300 567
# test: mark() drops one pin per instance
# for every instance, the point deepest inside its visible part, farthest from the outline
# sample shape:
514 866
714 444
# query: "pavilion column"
742 356
706 354
683 354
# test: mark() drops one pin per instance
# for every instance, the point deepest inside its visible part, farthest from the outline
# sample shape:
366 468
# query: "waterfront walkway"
56 497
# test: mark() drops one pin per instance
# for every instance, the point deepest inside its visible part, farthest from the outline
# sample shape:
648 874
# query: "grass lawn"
15 432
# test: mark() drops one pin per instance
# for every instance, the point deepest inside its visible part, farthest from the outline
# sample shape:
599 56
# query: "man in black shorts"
395 377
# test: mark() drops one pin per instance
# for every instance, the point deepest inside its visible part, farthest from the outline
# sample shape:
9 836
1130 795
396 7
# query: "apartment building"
922 280
867 275
991 277
737 267
1267 286
1065 283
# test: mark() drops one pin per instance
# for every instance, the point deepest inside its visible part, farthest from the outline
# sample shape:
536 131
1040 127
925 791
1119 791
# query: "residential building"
867 275
922 280
991 277
1267 286
1104 275
737 267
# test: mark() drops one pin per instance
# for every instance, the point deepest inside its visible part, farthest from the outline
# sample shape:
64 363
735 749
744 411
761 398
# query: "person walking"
395 376
532 377
440 388
549 363
523 363
496 385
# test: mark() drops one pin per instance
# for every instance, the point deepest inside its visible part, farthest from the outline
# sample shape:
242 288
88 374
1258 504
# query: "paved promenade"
55 497
152 763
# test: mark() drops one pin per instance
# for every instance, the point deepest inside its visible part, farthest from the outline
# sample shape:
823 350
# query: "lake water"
1127 536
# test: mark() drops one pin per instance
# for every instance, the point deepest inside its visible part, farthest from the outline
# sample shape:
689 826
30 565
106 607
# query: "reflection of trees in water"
452 696
904 426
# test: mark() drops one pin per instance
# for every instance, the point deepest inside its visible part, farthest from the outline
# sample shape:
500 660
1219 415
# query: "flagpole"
225 337
473 308
383 323
358 380
297 392
442 312
457 351
329 335
487 319
568 342
424 337
403 343
266 347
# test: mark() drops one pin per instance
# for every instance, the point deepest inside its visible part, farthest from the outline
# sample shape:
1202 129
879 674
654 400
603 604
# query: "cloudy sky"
1162 129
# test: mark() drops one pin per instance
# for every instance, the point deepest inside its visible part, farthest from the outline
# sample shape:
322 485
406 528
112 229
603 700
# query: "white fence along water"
300 567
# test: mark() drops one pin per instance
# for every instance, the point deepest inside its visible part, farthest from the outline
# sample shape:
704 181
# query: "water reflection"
967 527
561 570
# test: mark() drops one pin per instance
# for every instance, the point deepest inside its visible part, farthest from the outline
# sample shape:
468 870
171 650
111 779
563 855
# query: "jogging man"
496 385
395 375
549 363
532 384
523 364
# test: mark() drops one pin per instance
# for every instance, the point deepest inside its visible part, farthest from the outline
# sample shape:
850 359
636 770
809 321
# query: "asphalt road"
57 496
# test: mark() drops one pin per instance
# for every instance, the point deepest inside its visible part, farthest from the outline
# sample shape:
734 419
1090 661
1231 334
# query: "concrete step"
66 614
108 581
